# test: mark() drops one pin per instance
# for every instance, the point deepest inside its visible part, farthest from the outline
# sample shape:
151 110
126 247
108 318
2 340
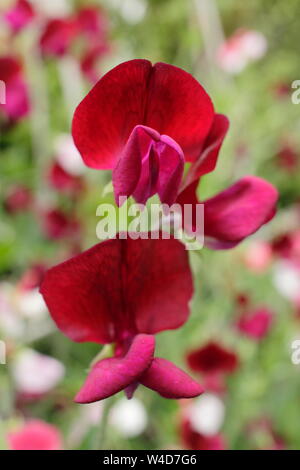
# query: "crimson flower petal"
170 381
162 97
120 286
239 211
149 163
208 158
110 376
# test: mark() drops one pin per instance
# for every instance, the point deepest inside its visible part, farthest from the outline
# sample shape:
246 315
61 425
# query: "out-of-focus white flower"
68 156
52 8
206 414
31 303
243 47
132 11
286 278
35 373
129 417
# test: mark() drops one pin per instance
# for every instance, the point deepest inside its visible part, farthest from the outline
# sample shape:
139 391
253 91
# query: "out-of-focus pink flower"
258 256
35 374
131 297
35 435
57 225
242 48
93 22
20 15
255 324
89 59
93 26
19 198
16 104
57 37
64 181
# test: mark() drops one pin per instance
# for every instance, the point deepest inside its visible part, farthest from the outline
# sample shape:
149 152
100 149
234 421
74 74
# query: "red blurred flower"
18 199
93 26
212 358
214 362
63 181
195 441
89 60
20 15
35 435
156 114
92 22
57 37
255 324
287 157
56 225
124 291
16 104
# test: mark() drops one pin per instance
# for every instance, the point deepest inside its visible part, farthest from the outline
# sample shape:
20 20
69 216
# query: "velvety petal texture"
238 211
150 291
170 381
161 96
207 160
112 375
149 164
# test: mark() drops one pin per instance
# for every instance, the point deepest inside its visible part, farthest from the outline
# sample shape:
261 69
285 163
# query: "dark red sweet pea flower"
255 324
57 37
118 292
155 113
20 15
16 104
193 440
